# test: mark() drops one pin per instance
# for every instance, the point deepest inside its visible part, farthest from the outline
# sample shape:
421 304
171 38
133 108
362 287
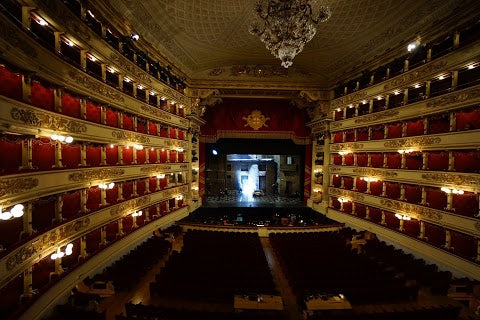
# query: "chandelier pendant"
286 26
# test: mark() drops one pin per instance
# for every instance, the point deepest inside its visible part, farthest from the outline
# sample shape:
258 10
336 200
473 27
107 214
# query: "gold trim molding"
98 174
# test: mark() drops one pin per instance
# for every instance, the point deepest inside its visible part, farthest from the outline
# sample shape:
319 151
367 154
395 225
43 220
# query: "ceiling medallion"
256 120
287 25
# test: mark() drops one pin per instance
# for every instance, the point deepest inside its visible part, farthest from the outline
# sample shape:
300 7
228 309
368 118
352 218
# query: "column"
402 192
384 189
424 161
449 201
367 213
27 87
134 225
403 164
120 232
83 247
83 108
401 227
342 183
353 209
103 67
26 21
344 113
27 162
448 240
120 82
103 198
58 99
369 160
405 97
103 115
404 129
330 202
453 121
147 186
167 151
427 88
451 161
368 186
158 155
27 283
103 155
103 236
355 156
58 155
120 155
27 220
385 158
158 185
120 192
158 211
83 154
58 267
58 208
147 215
167 203
147 155
134 155
370 106
120 119
176 156
383 222
422 230
134 191
424 196
354 184
454 80
83 201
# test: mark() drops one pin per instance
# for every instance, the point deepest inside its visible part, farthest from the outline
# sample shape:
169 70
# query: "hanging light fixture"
287 25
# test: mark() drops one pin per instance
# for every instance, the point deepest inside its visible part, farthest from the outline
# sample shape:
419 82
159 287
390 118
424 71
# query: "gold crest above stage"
256 120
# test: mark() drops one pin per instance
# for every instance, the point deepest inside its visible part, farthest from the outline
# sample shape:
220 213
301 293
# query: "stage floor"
241 200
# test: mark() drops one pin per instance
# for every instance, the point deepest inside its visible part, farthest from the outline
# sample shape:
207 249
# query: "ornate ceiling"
209 39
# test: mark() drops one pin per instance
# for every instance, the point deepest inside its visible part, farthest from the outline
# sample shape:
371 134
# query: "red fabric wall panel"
11 145
335 203
152 128
375 215
111 118
361 185
378 133
152 211
337 159
10 83
112 230
181 157
376 160
437 161
163 183
70 105
415 128
394 131
140 156
465 204
348 183
127 223
93 112
436 198
43 212
414 161
412 227
468 120
43 153
338 115
94 154
173 156
181 112
152 155
392 190
10 232
42 96
336 181
71 156
360 210
350 136
112 155
376 188
152 184
413 194
93 198
338 137
41 272
173 133
163 132
127 122
141 125
463 245
163 207
163 156
435 234
112 195
349 159
181 135
347 207
71 205
394 161
141 187
362 134
127 190
93 241
467 161
362 159
438 125
392 221
127 153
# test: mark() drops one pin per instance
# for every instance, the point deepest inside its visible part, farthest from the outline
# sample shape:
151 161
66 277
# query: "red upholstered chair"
111 118
378 133
349 159
70 105
362 134
338 137
127 122
413 194
376 160
94 154
463 245
111 155
349 136
394 160
140 187
127 155
43 153
11 145
414 161
394 131
71 205
43 212
436 198
468 120
360 210
411 228
437 160
140 156
361 185
71 156
375 215
415 128
465 204
439 124
112 195
335 203
10 83
42 96
93 112
93 198
152 128
362 159
376 188
152 155
391 221
392 190
348 183
337 159
435 234
336 181
467 161
127 190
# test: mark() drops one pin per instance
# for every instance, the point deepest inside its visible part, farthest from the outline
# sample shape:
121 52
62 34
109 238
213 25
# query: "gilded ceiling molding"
453 98
346 193
130 67
256 120
130 206
96 174
46 240
130 136
18 185
452 178
377 116
95 86
346 146
412 142
12 37
375 172
47 121
348 99
418 74
409 209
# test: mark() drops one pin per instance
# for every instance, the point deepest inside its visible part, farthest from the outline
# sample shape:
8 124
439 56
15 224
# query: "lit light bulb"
68 139
54 137
17 210
111 185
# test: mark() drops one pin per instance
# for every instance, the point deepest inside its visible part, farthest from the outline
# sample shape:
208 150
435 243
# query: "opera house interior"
240 159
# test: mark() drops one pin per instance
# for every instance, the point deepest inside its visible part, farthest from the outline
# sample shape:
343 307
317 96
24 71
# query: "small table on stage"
260 301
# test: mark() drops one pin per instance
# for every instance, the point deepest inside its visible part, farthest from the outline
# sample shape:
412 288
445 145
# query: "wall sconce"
137 214
62 139
402 217
343 200
368 179
91 57
342 153
404 151
60 253
160 176
195 188
138 146
15 212
179 149
454 191
67 42
39 20
106 186
179 197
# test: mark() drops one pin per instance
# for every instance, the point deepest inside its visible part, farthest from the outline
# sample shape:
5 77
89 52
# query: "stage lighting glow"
214 152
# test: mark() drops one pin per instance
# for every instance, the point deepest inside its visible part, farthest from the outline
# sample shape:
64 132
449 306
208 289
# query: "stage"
240 200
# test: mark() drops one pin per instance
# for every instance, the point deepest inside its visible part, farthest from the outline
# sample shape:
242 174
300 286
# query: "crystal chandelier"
287 25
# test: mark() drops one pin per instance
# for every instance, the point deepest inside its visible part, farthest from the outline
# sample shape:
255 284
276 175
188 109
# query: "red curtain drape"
394 160
71 205
112 155
413 194
127 155
437 161
361 185
348 183
392 190
376 188
43 212
127 122
93 198
362 159
436 198
414 161
467 161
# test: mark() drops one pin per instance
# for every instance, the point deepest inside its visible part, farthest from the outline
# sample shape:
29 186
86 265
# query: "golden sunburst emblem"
256 120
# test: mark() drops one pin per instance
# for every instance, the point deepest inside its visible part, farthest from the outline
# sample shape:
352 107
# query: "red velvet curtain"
71 205
440 124
376 188
360 210
112 155
437 161
392 221
42 96
141 125
72 260
376 160
347 207
163 132
378 133
435 234
163 156
10 83
127 223
463 245
181 157
152 184
467 161
152 155
93 112
163 183
411 227
394 131
11 145
338 137
362 134
43 153
436 198
173 156
338 115
362 159
348 183
394 160
337 159
70 105
10 294
141 187
349 136
111 231
94 154
112 195
180 134
127 190
173 133
93 241
415 128
152 128
111 118
71 156
375 215
335 203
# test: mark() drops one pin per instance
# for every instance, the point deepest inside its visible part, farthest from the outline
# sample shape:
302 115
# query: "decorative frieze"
348 99
47 121
454 98
412 142
416 75
409 209
346 146
377 116
18 185
11 35
453 179
125 64
96 174
130 206
374 172
130 136
96 86
346 193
